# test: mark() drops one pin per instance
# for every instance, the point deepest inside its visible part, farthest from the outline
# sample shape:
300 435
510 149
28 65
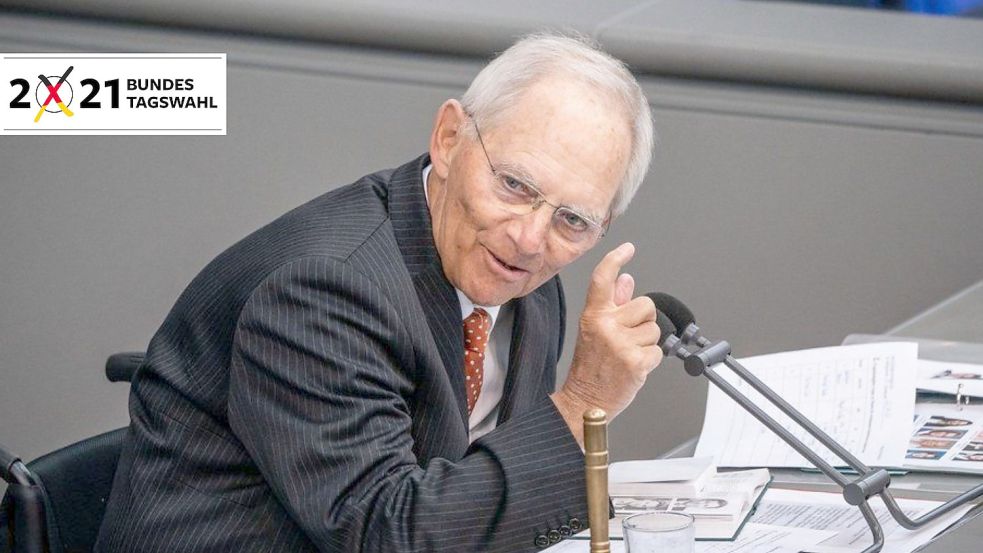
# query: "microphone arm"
700 355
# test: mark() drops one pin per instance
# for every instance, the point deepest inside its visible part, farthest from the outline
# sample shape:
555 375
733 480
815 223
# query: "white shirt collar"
467 306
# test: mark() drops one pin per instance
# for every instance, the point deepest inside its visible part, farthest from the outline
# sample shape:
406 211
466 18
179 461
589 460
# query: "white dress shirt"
484 416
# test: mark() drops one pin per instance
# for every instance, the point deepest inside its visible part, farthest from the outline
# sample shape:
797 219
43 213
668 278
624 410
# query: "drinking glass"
661 532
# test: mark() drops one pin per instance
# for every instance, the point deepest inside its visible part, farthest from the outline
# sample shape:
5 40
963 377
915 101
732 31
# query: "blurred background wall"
818 173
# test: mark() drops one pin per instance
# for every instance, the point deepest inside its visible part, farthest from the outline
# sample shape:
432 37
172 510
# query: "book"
678 477
719 510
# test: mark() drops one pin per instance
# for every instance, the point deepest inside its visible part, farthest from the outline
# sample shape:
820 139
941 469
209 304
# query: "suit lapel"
443 311
527 356
411 223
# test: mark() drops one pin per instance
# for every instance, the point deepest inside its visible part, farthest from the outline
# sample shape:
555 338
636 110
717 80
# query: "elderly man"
374 371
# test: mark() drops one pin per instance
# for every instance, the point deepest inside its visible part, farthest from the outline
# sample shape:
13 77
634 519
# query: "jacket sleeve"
318 395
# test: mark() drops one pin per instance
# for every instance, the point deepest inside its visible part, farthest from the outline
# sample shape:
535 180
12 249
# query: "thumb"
600 294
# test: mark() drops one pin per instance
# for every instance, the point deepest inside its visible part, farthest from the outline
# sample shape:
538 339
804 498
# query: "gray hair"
501 82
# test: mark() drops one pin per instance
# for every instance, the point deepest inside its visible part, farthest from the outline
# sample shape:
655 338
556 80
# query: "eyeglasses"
575 230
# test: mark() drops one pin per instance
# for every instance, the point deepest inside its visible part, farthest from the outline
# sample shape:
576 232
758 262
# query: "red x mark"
53 94
53 90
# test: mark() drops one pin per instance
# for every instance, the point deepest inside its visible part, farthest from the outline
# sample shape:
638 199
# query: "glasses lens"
514 195
574 228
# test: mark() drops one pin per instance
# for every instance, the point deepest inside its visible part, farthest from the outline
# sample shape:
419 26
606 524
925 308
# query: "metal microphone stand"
700 354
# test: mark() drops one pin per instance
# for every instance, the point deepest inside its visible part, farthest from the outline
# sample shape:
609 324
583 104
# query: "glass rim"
685 521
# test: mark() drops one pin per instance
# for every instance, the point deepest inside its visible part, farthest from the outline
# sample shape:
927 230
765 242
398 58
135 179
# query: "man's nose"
531 232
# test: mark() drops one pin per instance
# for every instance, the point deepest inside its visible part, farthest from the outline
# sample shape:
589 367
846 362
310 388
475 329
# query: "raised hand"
617 345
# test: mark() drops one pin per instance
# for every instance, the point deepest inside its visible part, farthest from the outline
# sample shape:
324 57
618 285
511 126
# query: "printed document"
755 538
815 510
946 438
856 394
950 378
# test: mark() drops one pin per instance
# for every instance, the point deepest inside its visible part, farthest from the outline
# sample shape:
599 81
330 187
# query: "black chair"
55 504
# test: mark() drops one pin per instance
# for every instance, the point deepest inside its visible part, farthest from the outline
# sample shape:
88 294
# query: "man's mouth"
512 270
507 266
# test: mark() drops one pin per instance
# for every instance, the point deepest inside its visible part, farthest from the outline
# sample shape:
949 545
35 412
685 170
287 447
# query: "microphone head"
675 310
666 328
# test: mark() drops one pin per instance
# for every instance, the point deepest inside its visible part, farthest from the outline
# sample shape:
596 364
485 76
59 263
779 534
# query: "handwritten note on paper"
861 395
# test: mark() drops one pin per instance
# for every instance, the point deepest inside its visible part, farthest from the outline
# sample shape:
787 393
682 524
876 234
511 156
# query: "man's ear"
446 136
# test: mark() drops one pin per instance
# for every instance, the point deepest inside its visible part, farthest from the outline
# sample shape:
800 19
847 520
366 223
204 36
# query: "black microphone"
675 310
666 328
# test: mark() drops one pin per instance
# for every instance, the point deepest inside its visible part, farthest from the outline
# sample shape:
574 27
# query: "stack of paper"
861 395
828 511
719 511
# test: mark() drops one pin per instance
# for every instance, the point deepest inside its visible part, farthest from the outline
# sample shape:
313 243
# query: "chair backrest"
76 481
26 523
120 367
64 501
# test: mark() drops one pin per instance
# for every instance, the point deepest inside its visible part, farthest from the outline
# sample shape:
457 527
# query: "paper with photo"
719 510
815 510
704 507
949 378
856 394
946 438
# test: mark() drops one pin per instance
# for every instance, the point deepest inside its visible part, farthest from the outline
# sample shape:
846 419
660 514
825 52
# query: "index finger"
605 275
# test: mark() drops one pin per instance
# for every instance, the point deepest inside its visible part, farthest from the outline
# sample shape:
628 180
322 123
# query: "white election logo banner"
106 94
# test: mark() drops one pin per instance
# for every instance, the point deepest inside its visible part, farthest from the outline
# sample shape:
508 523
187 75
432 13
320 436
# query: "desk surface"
964 537
958 318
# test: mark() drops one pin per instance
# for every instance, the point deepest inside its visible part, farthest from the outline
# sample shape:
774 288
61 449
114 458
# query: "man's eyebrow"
586 213
517 172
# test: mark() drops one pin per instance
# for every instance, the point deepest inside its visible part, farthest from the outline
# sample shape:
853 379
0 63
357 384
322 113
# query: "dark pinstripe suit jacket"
306 393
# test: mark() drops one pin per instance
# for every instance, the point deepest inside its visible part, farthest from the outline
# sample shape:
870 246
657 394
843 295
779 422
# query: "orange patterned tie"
476 329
